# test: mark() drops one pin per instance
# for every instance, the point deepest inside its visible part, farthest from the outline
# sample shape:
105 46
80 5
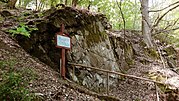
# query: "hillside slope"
47 84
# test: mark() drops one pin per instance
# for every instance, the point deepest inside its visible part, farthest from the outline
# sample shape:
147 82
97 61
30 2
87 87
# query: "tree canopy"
163 15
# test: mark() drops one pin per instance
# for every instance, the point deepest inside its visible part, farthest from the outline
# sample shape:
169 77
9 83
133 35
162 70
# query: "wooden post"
73 72
107 88
63 63
63 55
60 65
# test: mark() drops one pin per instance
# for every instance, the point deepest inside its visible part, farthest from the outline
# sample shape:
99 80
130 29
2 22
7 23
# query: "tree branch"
156 24
171 24
164 7
165 31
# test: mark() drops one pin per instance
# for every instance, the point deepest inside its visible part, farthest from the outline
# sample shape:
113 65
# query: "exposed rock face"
91 45
90 42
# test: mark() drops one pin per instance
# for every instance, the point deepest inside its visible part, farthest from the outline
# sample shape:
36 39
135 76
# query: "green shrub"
22 30
13 86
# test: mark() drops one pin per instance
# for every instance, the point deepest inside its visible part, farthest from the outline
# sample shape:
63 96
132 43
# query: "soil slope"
48 84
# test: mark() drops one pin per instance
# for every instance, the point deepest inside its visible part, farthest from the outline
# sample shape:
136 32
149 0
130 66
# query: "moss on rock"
151 52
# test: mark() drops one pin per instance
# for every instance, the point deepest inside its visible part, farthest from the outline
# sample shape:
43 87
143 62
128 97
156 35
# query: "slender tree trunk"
74 3
66 2
135 16
146 30
36 4
89 5
61 1
52 3
20 3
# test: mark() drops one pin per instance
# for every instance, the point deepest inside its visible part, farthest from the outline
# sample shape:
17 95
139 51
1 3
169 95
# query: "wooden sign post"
63 42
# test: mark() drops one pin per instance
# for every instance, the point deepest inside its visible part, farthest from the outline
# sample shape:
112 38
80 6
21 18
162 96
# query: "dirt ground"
48 83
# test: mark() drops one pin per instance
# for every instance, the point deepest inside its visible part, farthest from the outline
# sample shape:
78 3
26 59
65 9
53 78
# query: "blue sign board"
63 42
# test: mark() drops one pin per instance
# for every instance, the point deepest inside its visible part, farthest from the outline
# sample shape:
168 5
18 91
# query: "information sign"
63 42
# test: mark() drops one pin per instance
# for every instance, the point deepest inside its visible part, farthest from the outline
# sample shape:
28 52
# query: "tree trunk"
36 4
89 5
20 3
66 2
146 30
74 3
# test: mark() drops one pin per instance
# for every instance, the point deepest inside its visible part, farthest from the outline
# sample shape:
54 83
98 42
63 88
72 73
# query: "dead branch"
156 24
164 7
118 73
160 54
171 24
175 21
156 18
157 94
165 31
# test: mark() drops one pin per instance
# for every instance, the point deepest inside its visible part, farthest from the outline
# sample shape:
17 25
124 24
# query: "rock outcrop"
91 45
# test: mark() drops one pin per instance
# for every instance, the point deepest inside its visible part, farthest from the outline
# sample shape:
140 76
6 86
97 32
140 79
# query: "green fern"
22 30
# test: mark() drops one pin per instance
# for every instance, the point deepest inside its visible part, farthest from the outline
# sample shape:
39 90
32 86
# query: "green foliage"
173 38
137 99
24 3
40 14
22 30
5 1
83 3
132 14
53 3
13 86
130 9
151 52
